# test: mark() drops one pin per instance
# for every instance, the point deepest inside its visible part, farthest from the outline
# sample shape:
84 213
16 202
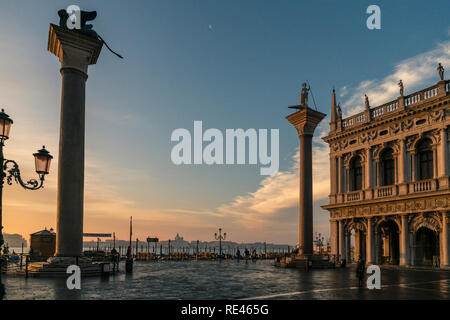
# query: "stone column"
341 179
377 172
443 160
444 157
333 179
414 173
334 235
402 173
404 242
348 247
305 121
357 251
348 181
435 162
369 169
341 239
75 52
445 245
370 252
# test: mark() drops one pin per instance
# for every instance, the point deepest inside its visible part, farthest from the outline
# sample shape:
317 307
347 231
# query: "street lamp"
220 237
42 160
319 242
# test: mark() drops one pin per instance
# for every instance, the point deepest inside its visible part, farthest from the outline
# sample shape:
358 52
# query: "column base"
57 267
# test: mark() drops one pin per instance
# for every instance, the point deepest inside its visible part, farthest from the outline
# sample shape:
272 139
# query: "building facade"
389 197
43 243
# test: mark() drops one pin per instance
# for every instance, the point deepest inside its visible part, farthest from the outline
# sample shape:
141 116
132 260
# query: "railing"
382 192
388 191
389 107
422 186
412 99
393 106
354 196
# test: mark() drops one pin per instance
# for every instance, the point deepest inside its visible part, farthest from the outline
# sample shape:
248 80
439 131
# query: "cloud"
265 209
274 205
416 72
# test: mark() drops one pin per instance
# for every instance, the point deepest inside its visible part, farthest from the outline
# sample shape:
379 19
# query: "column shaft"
71 164
348 248
306 197
404 243
442 160
357 251
370 242
334 235
369 175
445 247
341 240
401 162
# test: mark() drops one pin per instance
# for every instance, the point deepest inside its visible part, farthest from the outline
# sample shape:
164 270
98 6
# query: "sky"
230 64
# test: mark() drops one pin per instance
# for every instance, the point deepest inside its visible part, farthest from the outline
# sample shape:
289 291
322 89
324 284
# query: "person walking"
360 271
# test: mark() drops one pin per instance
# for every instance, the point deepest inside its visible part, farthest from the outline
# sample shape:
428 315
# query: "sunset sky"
231 64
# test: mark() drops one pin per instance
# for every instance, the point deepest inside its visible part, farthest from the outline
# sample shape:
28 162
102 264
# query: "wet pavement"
233 279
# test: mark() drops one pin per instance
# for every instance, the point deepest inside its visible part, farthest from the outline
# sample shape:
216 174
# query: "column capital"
305 120
74 49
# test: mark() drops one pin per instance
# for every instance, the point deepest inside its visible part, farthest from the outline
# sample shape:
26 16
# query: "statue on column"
304 95
400 84
366 101
86 29
440 70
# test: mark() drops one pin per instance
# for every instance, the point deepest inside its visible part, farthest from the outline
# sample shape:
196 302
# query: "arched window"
388 168
356 174
425 157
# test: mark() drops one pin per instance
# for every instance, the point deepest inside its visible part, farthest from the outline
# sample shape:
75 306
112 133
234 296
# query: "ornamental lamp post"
220 238
42 160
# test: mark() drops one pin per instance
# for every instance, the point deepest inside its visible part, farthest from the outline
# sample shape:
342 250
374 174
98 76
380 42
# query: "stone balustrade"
386 191
423 186
433 92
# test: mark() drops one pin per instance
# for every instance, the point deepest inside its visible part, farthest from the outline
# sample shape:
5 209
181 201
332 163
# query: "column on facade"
334 181
377 247
347 246
444 241
414 176
347 178
334 237
341 243
368 172
357 251
435 161
370 253
377 172
404 242
332 175
443 170
341 182
402 162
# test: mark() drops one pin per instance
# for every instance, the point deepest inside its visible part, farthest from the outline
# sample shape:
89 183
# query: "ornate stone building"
390 191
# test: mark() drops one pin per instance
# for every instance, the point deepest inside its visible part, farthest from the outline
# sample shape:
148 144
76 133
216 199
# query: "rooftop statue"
400 84
440 70
366 101
86 29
